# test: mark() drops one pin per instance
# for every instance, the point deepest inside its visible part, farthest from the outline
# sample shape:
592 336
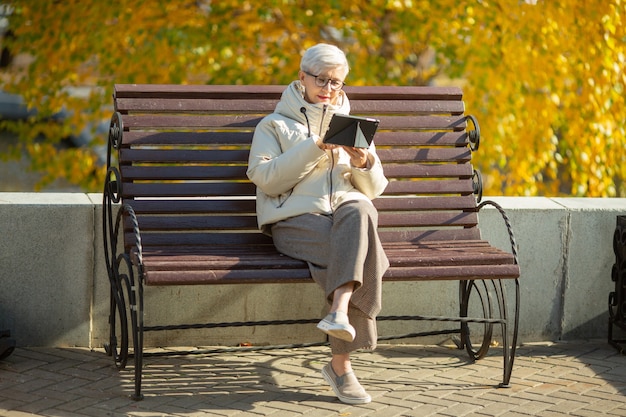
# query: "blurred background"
545 79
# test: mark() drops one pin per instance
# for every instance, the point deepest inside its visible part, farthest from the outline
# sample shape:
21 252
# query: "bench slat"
424 219
200 105
249 121
426 155
150 138
238 276
400 171
186 223
429 187
403 93
408 138
453 245
144 190
190 121
425 170
222 205
153 223
229 276
200 239
466 202
383 138
222 262
410 122
442 107
242 106
233 92
430 155
388 235
184 189
168 173
195 206
187 156
463 272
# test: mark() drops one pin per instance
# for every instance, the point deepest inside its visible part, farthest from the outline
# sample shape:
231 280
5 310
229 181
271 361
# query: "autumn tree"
545 79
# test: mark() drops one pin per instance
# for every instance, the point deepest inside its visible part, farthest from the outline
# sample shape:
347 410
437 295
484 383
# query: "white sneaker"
345 387
337 325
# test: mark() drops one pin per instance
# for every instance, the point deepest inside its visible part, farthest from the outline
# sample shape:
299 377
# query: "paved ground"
549 379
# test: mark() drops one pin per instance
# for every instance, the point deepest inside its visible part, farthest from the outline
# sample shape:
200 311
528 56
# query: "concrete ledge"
54 286
47 257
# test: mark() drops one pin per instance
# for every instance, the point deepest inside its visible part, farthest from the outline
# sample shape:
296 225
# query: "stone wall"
54 287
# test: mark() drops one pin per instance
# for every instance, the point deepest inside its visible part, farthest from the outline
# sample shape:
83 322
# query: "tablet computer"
352 131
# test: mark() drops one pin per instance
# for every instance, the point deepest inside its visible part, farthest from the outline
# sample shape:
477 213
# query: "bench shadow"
593 362
214 382
281 378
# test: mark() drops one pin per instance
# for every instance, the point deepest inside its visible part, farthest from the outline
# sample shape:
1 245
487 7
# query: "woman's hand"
358 156
323 146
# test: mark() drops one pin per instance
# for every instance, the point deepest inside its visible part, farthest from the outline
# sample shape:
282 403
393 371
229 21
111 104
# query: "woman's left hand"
358 156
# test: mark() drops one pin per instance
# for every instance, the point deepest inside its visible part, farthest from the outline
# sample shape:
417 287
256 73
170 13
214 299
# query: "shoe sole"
346 400
329 329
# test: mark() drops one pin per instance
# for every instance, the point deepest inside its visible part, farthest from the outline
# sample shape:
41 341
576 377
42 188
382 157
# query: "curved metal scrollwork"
474 134
116 127
112 192
111 195
477 181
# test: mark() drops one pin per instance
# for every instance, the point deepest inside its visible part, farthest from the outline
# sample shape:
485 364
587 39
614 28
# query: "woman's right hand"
323 146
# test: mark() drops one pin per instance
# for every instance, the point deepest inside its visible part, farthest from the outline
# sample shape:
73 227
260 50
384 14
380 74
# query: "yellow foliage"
546 80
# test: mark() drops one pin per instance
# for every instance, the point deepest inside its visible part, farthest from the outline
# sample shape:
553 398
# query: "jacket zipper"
332 162
322 118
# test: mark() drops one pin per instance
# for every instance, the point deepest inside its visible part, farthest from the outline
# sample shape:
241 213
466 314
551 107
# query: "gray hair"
323 57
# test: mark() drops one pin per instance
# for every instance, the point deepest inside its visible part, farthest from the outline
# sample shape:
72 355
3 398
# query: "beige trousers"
340 249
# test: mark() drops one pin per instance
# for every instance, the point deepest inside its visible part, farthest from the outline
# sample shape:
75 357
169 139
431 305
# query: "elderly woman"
314 199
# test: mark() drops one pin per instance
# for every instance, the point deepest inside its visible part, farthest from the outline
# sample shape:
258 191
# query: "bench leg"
134 290
509 335
482 291
476 290
137 312
127 304
118 328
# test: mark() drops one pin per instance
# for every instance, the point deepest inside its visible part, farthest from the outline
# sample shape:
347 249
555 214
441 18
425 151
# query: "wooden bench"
178 200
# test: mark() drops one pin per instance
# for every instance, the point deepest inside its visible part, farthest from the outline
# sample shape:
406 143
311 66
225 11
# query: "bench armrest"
507 222
136 249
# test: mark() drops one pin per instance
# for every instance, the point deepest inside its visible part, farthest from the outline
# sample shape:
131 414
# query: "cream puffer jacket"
293 175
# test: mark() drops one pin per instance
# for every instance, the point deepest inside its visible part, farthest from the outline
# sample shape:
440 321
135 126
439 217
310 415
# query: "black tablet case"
352 131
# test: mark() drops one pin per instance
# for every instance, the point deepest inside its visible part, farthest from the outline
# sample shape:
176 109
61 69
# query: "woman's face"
329 92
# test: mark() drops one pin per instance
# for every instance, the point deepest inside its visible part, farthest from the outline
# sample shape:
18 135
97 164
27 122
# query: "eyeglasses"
321 82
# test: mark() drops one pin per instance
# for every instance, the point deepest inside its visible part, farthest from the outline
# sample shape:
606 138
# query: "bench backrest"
183 156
